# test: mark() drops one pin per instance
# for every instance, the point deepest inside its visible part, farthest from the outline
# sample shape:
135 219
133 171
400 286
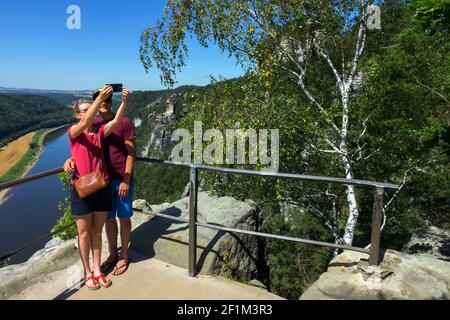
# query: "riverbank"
23 165
14 151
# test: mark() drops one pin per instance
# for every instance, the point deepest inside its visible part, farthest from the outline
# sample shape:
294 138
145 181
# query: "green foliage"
252 31
158 184
5 263
64 207
406 93
432 13
293 266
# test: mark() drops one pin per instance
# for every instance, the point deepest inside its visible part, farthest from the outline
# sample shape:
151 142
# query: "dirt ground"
13 151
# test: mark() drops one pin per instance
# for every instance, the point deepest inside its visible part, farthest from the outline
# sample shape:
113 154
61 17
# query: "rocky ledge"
399 276
225 254
430 242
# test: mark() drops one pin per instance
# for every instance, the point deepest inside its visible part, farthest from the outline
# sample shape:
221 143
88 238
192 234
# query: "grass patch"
28 158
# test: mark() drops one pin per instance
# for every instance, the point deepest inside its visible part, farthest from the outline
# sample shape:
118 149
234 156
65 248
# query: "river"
31 210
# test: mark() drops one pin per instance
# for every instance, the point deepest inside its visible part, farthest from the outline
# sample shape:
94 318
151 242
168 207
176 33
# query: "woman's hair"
76 105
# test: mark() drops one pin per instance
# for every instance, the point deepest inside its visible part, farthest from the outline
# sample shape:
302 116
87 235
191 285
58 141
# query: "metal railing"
193 207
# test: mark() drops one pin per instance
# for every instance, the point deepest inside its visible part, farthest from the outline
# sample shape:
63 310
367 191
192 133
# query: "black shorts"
99 201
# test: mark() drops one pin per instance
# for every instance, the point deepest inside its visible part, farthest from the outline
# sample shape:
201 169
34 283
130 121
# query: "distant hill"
43 91
22 113
65 97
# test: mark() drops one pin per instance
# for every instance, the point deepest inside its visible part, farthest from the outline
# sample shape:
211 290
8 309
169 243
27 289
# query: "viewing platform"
152 279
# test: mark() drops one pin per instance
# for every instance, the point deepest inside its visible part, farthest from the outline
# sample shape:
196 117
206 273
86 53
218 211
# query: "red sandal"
103 281
95 286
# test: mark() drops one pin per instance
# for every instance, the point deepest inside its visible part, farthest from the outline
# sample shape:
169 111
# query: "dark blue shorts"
99 201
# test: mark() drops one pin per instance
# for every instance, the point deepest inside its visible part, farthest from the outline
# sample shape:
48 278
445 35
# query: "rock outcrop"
399 276
218 252
160 134
430 242
56 255
159 124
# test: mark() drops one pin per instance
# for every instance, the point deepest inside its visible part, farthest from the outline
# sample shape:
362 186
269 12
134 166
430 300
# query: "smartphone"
117 87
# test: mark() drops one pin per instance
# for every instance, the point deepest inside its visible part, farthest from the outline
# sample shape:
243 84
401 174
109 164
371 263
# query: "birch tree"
267 35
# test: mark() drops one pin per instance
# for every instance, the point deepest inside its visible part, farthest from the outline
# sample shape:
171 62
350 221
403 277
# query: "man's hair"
95 95
76 105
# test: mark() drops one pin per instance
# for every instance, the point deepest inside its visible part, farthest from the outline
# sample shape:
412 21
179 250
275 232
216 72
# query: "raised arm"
111 125
88 118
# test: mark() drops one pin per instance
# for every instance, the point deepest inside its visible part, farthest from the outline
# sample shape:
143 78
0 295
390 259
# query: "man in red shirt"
120 153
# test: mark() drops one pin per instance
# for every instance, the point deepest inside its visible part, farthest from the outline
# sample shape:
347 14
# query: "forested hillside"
24 113
155 183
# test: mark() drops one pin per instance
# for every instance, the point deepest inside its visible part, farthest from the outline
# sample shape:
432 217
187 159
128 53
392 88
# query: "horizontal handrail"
255 233
323 179
267 174
13 183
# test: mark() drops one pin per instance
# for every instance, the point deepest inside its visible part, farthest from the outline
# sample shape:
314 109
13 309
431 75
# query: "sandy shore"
14 151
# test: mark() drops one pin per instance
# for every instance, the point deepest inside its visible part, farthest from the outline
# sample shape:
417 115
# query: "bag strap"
101 160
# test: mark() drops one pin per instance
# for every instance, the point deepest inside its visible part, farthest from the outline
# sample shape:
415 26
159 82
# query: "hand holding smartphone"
117 87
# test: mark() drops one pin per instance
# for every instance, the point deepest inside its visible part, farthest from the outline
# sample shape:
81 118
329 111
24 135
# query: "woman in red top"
90 212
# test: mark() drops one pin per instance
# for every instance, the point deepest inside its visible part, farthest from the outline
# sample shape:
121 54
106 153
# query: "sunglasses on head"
83 110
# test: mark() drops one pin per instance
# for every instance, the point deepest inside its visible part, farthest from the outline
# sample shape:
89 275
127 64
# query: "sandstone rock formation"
399 276
160 135
218 252
430 242
56 255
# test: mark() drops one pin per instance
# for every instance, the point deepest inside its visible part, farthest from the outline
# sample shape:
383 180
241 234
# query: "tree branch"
434 91
331 65
359 43
334 150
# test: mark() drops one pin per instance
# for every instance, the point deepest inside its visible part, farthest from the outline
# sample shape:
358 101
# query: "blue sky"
38 51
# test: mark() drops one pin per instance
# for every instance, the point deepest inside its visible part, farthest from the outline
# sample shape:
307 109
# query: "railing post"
192 220
376 226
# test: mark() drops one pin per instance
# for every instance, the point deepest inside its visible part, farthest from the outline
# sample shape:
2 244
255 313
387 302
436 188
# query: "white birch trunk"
352 206
351 196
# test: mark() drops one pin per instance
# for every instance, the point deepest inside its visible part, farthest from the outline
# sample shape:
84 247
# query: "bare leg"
125 234
111 233
84 227
98 220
